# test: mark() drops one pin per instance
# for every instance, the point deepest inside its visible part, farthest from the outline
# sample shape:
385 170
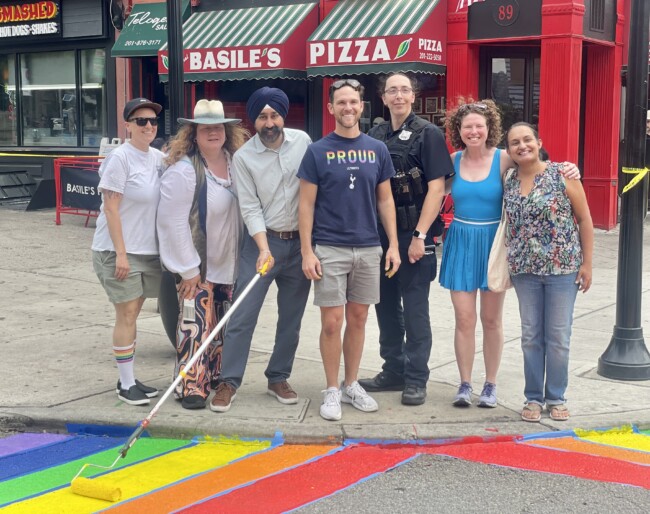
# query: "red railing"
86 163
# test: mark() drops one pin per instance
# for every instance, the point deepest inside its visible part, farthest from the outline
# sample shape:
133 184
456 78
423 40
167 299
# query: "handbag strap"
506 176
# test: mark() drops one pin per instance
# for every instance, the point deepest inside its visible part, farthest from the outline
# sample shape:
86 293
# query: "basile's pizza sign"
248 58
375 50
30 19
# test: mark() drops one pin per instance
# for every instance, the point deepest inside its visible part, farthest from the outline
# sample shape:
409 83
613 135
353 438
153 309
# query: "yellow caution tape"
639 173
41 155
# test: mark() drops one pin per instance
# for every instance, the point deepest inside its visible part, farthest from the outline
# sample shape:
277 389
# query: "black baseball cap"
139 103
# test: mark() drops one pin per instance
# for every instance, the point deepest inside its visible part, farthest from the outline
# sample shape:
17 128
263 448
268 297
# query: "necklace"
218 180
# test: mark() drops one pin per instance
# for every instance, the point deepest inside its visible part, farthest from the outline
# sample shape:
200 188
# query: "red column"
462 72
603 97
559 103
462 57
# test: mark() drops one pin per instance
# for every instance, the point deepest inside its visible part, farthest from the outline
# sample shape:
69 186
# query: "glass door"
510 77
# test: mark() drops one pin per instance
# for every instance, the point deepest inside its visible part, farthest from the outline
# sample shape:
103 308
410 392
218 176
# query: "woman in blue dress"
477 191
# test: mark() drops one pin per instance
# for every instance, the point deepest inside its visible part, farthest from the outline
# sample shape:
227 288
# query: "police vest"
409 183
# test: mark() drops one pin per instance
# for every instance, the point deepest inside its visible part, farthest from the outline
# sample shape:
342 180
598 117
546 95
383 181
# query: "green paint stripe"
58 476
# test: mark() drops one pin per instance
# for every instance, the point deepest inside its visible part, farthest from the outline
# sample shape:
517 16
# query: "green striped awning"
145 30
282 28
376 36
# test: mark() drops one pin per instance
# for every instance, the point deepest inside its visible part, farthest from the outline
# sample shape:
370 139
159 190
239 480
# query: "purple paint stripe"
22 442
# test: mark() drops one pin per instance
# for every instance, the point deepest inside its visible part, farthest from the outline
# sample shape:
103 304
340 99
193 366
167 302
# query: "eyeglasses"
405 91
468 107
142 122
354 84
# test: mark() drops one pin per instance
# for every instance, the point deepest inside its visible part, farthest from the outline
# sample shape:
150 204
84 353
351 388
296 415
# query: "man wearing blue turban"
264 169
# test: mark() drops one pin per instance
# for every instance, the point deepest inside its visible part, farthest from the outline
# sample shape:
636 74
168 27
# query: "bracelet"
265 251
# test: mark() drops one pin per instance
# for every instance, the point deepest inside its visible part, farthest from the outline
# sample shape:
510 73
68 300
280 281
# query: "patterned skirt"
211 303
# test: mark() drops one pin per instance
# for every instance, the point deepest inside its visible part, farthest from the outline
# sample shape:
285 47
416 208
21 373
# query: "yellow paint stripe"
214 482
623 437
144 477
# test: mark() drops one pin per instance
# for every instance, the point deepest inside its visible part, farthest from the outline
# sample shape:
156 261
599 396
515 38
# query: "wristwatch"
419 235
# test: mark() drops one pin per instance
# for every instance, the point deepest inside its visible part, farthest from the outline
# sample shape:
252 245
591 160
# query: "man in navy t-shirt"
344 183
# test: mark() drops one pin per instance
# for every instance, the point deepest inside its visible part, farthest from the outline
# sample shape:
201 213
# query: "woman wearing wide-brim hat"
199 232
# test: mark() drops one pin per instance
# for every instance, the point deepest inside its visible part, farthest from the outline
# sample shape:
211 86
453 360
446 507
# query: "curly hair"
381 83
183 142
486 108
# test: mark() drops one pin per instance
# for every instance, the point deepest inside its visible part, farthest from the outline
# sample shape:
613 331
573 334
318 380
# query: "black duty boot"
414 395
383 381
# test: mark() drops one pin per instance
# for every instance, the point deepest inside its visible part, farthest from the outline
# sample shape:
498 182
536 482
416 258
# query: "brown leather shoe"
283 392
224 394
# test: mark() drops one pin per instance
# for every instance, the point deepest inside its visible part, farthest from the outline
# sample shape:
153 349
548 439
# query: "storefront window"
8 134
93 90
48 98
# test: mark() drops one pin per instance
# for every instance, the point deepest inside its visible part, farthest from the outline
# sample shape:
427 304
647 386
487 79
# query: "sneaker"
224 394
488 396
464 395
283 392
133 396
150 392
330 409
414 395
383 381
357 396
193 402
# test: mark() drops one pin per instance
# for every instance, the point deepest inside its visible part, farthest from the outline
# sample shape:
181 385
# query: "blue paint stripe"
548 435
74 448
103 430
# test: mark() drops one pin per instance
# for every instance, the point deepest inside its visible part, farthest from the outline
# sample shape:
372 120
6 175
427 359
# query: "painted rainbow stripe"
231 475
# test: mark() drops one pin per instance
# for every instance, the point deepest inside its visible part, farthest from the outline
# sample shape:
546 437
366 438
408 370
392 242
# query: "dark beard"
270 135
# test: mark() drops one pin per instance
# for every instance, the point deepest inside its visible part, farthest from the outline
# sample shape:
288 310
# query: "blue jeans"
546 309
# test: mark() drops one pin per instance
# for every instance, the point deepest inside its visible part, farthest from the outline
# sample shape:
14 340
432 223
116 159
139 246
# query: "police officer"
421 162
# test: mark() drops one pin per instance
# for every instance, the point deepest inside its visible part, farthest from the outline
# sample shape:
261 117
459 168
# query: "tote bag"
498 273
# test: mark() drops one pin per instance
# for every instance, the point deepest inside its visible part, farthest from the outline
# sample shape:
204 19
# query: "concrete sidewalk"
55 337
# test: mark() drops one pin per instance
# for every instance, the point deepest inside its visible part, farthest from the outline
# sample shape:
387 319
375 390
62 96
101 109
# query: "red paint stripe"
523 456
309 482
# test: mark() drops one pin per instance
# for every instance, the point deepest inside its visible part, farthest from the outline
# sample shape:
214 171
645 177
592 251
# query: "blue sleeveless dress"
477 212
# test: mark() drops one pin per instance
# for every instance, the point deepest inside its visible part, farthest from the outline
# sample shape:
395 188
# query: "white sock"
124 359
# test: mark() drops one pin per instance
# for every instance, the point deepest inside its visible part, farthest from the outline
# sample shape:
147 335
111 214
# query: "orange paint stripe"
198 488
602 450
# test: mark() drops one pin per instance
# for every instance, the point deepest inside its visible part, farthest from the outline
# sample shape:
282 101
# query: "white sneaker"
357 396
331 406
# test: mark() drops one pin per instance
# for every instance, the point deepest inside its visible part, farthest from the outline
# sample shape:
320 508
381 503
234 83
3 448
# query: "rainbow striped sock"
124 359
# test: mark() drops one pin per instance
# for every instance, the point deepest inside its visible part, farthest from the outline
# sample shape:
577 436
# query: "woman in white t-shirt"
200 229
125 248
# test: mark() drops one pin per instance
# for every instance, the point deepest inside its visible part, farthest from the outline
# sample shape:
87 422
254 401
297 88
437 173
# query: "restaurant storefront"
57 92
553 63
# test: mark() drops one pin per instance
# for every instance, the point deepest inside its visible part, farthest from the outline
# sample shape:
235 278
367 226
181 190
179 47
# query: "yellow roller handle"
265 267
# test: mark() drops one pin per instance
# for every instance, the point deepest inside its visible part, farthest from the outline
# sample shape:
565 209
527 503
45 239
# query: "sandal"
532 413
558 412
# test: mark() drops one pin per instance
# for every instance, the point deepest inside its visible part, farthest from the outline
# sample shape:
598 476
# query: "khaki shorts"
350 274
142 281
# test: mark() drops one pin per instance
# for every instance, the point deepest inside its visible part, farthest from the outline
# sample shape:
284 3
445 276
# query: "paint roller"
103 488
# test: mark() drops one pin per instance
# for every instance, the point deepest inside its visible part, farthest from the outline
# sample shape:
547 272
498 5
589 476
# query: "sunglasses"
354 84
468 107
142 122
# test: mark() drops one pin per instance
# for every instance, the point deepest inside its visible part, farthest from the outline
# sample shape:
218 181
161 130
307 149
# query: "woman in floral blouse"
550 247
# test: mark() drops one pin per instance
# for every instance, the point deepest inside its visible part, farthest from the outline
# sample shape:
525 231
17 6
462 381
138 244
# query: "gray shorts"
350 274
142 281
